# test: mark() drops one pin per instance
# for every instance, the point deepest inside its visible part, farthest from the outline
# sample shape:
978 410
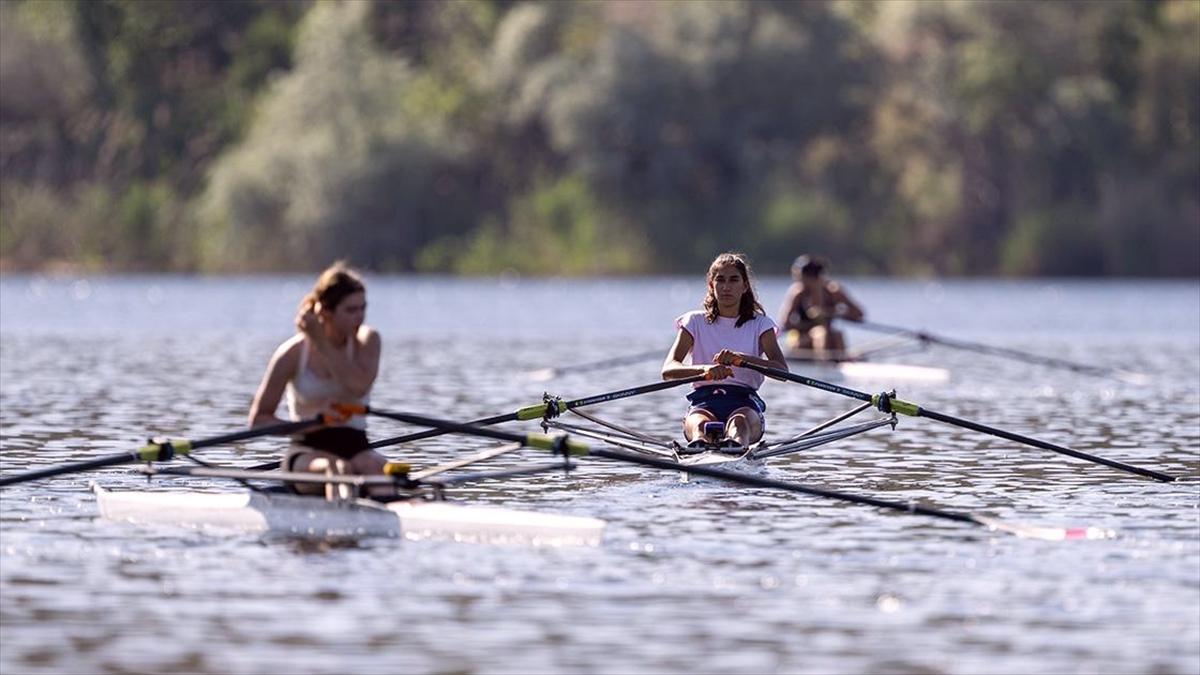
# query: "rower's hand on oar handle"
340 413
717 371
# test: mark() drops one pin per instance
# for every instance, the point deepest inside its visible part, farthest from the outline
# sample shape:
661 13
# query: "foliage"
474 136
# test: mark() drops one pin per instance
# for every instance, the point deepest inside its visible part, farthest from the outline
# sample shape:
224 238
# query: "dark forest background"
472 136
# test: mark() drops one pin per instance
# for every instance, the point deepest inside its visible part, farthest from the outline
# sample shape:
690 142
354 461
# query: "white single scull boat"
868 371
290 515
744 460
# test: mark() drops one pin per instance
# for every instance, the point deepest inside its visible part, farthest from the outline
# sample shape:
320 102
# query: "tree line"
474 136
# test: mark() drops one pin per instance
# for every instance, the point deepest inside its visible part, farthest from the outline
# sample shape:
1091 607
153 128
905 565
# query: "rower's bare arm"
789 318
270 390
846 307
357 374
769 343
673 367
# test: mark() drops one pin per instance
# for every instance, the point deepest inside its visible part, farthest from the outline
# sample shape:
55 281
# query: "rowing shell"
283 514
870 371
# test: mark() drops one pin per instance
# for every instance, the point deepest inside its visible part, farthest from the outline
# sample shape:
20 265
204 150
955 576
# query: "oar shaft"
1037 443
97 463
908 408
256 432
578 448
757 481
632 391
809 382
448 427
982 348
153 450
430 433
538 410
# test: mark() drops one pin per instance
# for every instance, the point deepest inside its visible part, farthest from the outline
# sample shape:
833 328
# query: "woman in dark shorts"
732 325
332 358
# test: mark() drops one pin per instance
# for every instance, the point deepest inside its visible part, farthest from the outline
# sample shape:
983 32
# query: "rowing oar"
548 407
890 404
551 373
1127 376
161 451
568 447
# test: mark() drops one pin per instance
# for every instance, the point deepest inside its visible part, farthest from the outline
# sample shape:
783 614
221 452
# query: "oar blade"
1045 532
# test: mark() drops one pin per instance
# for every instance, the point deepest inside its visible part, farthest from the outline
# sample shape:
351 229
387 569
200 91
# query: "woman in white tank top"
333 358
732 325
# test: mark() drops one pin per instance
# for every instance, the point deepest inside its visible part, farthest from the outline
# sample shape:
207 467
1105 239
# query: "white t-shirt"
710 338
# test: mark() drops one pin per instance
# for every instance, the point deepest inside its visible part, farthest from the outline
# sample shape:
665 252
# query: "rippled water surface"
696 577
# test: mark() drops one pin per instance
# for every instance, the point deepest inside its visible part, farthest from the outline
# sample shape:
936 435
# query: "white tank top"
710 338
309 394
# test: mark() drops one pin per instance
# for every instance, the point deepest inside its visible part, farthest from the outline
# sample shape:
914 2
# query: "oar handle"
789 376
563 406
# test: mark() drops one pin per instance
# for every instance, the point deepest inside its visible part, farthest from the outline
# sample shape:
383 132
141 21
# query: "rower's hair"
749 306
335 284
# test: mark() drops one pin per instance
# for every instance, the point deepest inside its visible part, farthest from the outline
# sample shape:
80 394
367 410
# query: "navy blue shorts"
720 400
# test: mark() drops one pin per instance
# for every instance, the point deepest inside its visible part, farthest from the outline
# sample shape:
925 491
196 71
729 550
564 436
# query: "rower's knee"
693 425
744 424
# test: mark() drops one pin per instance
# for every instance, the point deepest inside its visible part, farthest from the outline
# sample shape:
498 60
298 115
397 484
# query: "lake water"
698 577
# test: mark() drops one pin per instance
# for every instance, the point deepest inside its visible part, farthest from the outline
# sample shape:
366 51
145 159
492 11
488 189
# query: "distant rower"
332 358
811 305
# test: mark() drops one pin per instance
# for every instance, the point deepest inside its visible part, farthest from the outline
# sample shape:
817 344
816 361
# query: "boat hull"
290 515
867 371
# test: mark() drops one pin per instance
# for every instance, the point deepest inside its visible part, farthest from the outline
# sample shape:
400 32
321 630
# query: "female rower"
731 326
810 307
332 358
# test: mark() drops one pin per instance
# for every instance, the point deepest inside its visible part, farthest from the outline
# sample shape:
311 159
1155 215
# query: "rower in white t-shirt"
732 325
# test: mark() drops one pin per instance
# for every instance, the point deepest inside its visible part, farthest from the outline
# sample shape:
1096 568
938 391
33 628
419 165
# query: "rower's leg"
819 337
744 426
314 461
693 424
370 463
799 340
834 341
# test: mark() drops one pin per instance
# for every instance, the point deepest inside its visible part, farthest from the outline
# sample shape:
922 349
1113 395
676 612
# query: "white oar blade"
1046 533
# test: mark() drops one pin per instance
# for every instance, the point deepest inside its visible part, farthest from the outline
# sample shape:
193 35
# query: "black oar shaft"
257 432
908 408
430 433
626 393
1037 443
448 427
568 447
97 463
539 410
1007 352
757 481
154 449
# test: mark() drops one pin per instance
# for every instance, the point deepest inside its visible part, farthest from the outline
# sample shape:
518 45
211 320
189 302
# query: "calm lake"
691 577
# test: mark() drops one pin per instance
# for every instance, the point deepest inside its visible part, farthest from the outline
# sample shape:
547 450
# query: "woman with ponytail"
332 358
731 326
